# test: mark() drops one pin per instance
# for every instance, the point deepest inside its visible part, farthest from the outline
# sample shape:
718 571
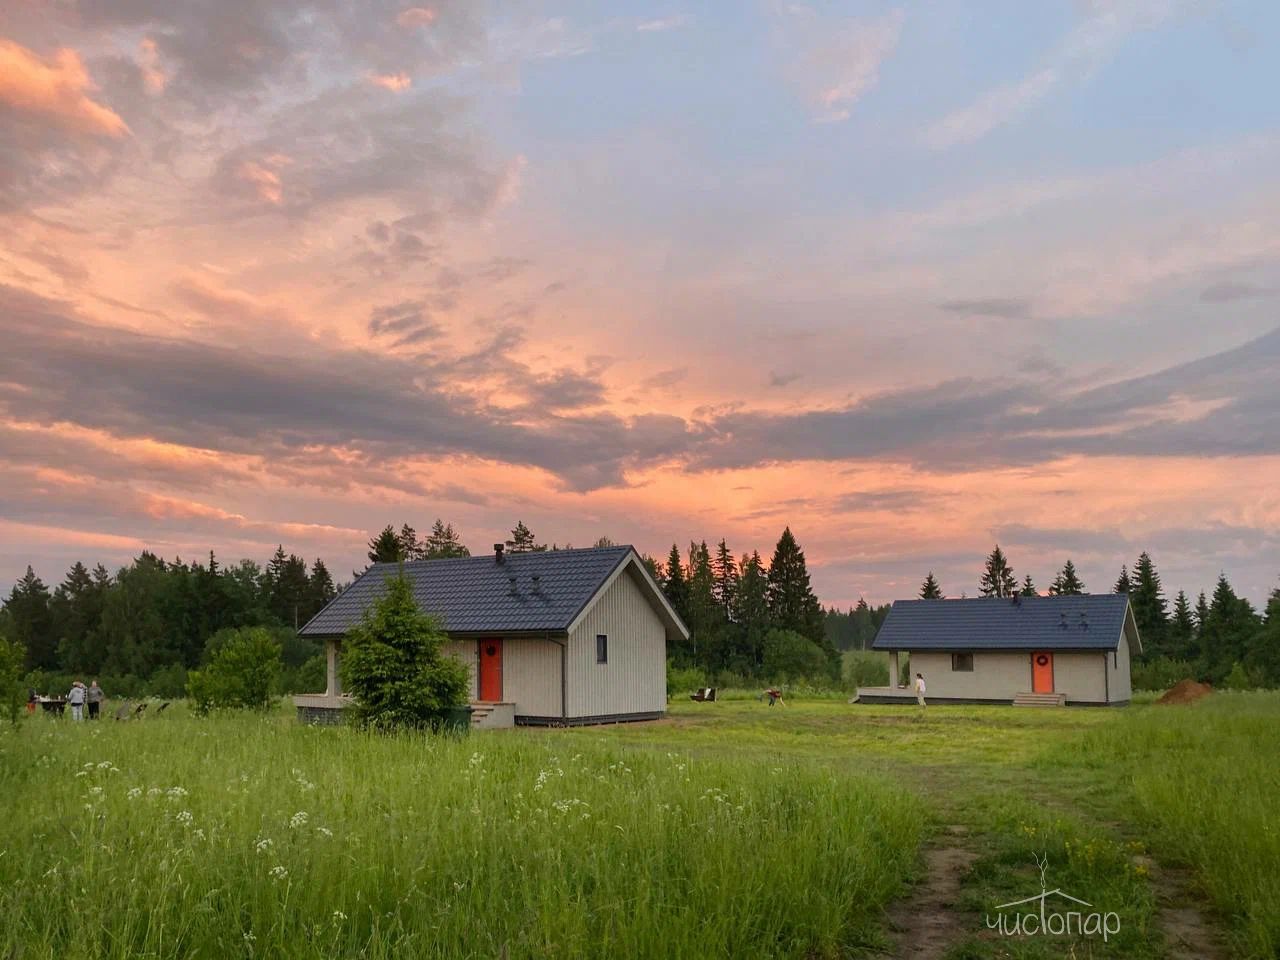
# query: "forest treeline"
145 625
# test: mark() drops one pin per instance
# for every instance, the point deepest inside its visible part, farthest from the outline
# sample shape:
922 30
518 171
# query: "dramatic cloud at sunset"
912 283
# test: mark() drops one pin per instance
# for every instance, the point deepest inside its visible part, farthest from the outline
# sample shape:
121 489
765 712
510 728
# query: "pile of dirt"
1186 691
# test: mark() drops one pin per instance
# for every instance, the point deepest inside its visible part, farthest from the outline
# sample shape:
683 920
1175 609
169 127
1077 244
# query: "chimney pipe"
497 552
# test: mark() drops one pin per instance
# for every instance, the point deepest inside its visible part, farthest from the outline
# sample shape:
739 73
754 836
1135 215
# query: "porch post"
894 673
333 686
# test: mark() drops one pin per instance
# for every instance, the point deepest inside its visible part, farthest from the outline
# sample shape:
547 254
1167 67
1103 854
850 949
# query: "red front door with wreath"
491 670
1042 672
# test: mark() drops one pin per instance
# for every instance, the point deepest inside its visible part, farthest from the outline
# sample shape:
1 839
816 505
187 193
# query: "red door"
491 670
1042 673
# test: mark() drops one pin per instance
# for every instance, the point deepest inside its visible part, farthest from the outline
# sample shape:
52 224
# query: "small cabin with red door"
549 637
1065 650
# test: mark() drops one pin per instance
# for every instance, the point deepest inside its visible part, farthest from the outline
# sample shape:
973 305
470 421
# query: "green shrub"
866 668
790 656
1160 673
394 666
244 671
167 682
311 677
12 691
684 680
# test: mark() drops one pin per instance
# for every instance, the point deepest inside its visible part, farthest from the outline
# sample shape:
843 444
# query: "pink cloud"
153 77
412 17
264 176
395 82
57 88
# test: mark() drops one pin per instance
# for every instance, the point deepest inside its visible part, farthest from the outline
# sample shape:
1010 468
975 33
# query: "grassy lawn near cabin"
725 830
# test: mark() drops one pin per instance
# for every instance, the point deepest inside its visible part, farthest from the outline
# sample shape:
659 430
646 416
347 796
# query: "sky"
912 278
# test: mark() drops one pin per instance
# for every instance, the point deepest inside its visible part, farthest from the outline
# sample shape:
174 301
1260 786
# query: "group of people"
78 697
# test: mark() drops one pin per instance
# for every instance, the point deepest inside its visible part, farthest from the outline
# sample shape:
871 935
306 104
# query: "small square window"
602 648
962 662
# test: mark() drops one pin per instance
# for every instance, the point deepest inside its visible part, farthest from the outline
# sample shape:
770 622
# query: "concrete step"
1040 700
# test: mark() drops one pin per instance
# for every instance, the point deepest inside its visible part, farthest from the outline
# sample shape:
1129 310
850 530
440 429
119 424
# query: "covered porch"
894 691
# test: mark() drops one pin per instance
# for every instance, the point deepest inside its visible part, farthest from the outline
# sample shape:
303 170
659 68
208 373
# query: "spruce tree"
1202 613
32 622
792 603
752 609
1123 584
1228 628
1182 628
320 588
1149 605
1028 587
704 612
384 548
929 590
1066 583
675 586
725 568
998 580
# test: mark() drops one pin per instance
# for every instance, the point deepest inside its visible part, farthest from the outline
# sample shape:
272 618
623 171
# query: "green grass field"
728 829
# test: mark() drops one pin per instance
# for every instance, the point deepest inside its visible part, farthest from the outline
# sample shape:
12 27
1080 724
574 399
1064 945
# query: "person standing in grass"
75 699
95 696
920 689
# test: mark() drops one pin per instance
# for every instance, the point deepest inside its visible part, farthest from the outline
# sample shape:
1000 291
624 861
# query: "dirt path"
925 924
1190 936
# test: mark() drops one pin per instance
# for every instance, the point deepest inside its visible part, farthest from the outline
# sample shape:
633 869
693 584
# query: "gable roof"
1081 622
474 595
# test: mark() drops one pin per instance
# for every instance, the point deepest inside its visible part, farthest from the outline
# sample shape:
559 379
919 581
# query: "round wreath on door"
1042 660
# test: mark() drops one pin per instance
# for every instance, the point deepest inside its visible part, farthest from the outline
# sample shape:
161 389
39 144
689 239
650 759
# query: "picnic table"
52 704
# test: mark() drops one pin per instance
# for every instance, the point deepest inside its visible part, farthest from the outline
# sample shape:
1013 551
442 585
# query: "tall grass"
1206 781
248 836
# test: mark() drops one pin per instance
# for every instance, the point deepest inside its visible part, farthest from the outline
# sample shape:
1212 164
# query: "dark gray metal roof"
992 623
474 594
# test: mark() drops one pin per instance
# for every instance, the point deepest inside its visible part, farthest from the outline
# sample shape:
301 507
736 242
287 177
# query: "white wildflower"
278 872
299 819
104 765
338 916
95 791
324 831
175 793
154 792
262 845
134 793
184 817
81 773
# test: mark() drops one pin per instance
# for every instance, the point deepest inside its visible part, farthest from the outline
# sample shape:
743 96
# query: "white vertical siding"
531 676
999 675
635 678
1120 683
995 675
1081 676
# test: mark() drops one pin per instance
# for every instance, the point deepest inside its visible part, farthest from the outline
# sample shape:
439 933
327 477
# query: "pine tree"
522 540
603 541
792 603
864 625
704 612
444 543
1066 583
725 568
1123 584
1028 587
929 590
998 580
1202 612
1149 605
411 548
1228 628
385 547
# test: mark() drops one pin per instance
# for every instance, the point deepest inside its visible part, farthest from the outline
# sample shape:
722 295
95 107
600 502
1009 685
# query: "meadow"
727 829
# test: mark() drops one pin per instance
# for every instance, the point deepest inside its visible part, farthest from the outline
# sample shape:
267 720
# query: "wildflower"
249 937
154 792
134 793
95 791
175 793
81 773
324 831
104 765
198 834
299 819
184 817
262 844
476 760
279 872
338 916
